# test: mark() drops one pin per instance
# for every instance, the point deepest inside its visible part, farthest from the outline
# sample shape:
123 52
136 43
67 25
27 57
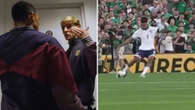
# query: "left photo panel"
48 57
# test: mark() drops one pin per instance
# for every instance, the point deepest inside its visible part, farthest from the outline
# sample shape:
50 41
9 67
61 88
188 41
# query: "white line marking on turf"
146 102
162 95
111 83
148 89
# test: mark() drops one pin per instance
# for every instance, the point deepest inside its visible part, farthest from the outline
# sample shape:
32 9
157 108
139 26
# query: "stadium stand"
119 19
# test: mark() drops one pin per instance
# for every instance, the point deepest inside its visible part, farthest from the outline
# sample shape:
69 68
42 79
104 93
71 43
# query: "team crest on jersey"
77 52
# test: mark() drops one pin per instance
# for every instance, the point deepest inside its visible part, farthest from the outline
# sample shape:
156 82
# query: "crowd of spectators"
175 20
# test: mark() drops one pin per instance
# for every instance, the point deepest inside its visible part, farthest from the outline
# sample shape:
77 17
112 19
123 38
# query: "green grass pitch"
164 91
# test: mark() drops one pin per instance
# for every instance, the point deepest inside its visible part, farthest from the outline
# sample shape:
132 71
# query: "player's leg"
121 58
129 64
124 69
121 63
133 61
150 61
148 65
116 58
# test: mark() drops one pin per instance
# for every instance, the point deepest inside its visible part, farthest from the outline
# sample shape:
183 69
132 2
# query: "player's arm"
128 40
135 35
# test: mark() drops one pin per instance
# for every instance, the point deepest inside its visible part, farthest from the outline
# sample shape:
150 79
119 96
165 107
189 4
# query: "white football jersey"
147 37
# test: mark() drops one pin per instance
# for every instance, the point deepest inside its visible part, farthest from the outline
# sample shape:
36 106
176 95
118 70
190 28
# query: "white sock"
125 68
145 70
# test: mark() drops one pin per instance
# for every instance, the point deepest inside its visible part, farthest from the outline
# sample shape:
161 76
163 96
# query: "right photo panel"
146 54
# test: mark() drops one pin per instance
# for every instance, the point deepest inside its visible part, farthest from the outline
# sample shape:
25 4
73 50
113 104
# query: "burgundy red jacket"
34 72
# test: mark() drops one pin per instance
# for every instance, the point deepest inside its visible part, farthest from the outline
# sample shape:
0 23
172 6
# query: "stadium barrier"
162 63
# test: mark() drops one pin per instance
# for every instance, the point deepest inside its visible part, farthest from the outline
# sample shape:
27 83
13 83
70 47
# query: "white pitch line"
111 83
146 89
146 102
162 95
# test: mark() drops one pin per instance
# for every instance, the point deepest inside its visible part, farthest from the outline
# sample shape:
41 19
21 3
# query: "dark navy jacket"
82 60
31 64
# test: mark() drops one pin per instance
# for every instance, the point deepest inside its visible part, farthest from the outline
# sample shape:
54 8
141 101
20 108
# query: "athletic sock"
145 70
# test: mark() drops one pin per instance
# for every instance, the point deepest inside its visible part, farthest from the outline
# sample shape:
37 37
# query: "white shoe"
123 72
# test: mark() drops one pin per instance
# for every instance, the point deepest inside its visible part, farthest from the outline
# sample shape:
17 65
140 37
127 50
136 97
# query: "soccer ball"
122 74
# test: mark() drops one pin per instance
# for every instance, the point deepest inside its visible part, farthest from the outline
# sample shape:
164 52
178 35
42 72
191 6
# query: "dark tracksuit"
32 64
82 60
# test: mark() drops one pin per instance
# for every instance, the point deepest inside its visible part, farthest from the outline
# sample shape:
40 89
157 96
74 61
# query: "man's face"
181 29
193 33
101 21
163 18
175 12
155 4
126 24
181 17
68 32
193 16
178 33
144 26
172 22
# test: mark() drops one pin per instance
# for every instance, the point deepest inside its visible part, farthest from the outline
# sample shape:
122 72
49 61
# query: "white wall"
91 17
52 21
2 16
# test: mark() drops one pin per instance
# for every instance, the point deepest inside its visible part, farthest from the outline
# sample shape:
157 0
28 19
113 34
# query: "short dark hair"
21 10
144 19
172 17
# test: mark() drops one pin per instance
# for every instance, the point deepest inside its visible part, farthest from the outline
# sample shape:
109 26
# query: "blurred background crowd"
119 19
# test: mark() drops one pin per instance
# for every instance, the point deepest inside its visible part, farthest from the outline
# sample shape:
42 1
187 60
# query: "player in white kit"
147 48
